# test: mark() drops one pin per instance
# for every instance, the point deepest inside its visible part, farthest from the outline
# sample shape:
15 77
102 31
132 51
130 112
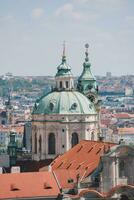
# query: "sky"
32 34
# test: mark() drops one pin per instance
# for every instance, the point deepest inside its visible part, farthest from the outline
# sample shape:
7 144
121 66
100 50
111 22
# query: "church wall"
113 173
107 181
63 126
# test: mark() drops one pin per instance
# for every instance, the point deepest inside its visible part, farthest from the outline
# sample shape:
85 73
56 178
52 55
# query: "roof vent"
80 148
78 167
14 188
98 151
70 180
69 166
60 165
47 186
90 150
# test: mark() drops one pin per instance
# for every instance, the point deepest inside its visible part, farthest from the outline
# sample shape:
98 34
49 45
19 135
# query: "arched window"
67 84
60 84
92 135
51 143
75 139
35 143
40 144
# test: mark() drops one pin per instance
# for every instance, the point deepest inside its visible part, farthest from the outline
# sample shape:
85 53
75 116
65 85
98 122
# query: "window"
3 122
51 106
121 168
92 135
60 84
40 144
66 84
35 143
51 143
75 139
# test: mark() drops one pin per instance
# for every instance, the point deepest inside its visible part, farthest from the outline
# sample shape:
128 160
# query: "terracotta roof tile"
125 130
122 116
24 185
82 159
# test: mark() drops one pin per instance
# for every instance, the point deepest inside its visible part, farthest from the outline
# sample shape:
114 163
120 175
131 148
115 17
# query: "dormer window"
74 106
47 186
14 187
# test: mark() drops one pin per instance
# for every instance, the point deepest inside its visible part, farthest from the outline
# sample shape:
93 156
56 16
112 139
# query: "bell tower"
87 82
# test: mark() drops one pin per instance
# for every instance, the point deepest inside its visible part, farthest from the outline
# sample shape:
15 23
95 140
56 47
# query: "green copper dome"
87 74
63 69
64 102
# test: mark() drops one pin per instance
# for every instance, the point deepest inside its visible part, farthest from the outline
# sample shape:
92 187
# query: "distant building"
8 76
5 136
125 134
4 161
3 117
128 91
108 75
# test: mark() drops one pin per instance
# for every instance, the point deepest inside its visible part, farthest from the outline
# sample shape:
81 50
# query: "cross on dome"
86 53
64 52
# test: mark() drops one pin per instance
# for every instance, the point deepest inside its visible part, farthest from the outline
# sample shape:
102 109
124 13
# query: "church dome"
64 102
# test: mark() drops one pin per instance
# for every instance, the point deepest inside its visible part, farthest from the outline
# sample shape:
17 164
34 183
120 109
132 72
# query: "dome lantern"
64 77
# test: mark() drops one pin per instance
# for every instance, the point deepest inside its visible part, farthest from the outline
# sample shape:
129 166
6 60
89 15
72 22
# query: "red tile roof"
81 160
18 129
108 194
124 131
106 121
26 185
33 165
122 116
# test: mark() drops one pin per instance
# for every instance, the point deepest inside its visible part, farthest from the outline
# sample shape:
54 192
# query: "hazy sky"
32 33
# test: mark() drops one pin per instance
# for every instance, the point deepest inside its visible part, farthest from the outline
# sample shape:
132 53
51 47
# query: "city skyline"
32 33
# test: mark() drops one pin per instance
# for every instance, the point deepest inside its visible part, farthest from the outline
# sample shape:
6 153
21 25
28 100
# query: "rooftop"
80 161
26 185
125 130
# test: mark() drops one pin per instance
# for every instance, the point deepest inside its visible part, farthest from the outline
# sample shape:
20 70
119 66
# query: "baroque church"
67 114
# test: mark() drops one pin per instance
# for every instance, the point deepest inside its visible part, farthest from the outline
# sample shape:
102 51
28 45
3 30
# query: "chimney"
15 169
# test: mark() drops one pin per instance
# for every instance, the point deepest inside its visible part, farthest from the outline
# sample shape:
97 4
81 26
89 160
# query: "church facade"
66 115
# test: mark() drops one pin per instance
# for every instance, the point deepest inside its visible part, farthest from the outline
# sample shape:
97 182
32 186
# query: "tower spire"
86 52
64 52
